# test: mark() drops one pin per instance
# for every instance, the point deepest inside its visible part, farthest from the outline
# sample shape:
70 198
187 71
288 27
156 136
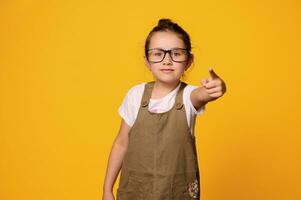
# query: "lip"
167 70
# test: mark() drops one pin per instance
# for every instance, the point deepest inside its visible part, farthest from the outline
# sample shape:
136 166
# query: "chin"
168 80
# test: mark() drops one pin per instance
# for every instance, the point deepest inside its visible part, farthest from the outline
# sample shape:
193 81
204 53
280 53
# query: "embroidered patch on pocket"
193 189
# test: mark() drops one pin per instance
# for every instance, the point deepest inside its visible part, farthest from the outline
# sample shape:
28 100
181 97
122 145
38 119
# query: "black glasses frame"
167 51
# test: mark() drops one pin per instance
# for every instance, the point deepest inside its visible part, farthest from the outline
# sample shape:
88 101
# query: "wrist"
202 96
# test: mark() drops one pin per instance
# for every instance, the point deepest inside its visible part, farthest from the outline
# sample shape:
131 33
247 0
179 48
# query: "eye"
157 53
177 54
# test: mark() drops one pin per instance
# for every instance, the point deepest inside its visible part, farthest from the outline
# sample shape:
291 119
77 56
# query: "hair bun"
164 21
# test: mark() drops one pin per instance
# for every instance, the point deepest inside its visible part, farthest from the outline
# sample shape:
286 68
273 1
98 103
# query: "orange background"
65 67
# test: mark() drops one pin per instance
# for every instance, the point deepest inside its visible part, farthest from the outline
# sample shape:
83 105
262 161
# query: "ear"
190 61
146 62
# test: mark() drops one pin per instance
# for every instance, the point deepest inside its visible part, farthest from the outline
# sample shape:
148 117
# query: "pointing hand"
214 86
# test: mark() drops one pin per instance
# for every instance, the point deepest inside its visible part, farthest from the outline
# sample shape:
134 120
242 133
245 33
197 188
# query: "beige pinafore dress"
161 159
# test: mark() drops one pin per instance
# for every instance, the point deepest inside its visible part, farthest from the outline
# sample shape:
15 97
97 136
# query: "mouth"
167 70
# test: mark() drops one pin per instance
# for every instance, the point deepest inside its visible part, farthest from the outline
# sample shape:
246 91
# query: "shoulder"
187 100
136 90
130 105
189 88
187 91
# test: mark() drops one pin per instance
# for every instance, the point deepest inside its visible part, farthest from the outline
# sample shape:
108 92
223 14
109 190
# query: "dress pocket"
192 190
186 187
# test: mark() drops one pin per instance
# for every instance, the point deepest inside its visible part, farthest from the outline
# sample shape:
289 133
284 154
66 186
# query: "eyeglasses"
157 55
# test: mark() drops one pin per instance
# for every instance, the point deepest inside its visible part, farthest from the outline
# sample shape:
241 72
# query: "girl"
155 148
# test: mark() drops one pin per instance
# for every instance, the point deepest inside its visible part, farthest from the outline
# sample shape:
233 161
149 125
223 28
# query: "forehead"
166 40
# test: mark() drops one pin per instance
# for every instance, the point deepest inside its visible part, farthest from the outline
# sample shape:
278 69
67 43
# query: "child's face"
167 71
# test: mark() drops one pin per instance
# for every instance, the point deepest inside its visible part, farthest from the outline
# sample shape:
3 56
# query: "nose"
167 59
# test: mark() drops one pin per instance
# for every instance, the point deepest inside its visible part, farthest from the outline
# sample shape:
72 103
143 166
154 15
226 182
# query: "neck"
165 88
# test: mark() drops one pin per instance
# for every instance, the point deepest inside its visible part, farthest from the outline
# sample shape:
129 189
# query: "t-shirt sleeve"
126 111
201 110
129 107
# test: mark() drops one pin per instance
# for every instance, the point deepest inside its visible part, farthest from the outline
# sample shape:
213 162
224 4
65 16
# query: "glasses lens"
155 55
179 55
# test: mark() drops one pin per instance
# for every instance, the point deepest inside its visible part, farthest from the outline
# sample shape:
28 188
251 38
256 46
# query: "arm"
116 157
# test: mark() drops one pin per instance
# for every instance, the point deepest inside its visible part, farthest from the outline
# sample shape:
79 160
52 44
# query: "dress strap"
147 93
179 98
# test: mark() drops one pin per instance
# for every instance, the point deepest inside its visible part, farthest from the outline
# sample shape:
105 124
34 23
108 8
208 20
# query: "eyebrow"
168 49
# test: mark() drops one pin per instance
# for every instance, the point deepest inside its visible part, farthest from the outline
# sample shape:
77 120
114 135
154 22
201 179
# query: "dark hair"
167 25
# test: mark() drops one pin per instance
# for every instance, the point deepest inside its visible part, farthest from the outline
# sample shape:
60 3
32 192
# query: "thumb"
213 75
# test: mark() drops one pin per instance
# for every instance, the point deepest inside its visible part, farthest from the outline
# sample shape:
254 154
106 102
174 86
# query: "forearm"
114 165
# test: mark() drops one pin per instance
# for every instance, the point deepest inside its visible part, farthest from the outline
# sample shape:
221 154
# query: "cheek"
181 68
156 66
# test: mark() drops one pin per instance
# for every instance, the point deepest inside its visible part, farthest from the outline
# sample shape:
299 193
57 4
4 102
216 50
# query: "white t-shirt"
130 105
